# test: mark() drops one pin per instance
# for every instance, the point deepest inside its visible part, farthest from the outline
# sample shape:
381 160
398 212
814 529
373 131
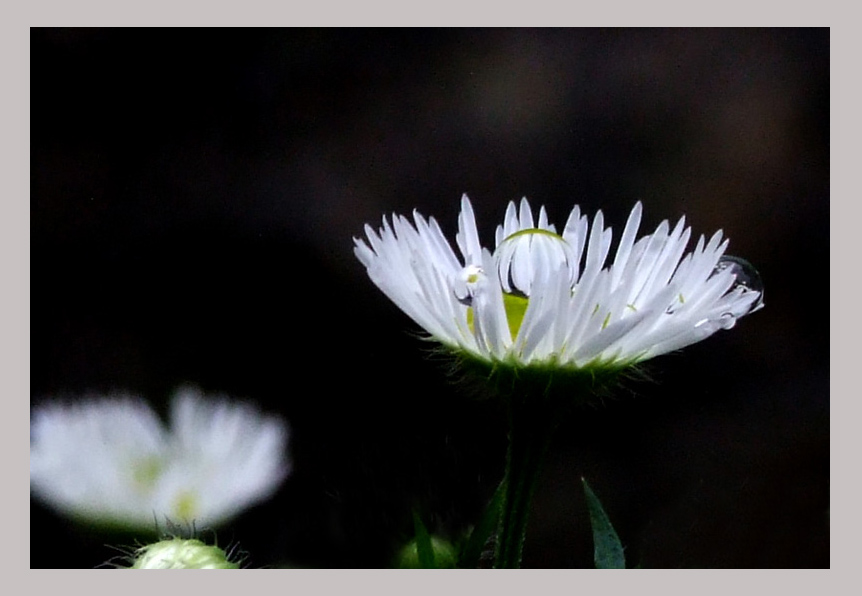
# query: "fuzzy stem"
530 432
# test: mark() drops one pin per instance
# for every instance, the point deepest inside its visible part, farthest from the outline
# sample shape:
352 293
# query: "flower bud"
445 555
181 553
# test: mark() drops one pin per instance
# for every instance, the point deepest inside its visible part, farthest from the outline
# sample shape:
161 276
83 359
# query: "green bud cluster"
181 553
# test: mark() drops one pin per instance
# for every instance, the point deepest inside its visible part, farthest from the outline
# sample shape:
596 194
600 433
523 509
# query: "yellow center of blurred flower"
185 505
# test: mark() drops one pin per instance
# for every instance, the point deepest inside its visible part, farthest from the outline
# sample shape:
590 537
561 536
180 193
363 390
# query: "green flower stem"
531 428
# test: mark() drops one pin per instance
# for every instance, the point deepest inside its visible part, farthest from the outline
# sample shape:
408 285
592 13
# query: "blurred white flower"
111 461
547 299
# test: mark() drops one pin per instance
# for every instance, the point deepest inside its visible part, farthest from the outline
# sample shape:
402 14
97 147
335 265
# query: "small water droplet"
747 277
727 320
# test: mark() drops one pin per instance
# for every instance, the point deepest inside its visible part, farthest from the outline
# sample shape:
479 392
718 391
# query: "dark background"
194 195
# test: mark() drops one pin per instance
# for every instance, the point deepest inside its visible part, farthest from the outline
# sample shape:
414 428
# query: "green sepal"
548 381
472 551
608 550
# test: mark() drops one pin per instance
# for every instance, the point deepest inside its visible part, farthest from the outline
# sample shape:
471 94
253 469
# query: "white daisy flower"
111 461
549 299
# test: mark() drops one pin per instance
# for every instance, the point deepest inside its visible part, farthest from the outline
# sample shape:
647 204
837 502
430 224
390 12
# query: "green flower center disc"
516 307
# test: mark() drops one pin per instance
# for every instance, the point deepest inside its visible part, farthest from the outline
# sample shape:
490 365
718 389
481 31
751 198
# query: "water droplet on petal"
747 278
727 320
514 287
530 256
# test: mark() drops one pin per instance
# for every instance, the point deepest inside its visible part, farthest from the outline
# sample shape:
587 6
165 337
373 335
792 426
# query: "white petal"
467 236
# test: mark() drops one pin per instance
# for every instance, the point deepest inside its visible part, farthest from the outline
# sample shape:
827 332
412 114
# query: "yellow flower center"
515 306
185 505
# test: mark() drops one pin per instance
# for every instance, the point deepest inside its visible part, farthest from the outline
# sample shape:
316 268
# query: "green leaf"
487 525
423 544
608 551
